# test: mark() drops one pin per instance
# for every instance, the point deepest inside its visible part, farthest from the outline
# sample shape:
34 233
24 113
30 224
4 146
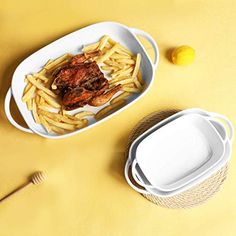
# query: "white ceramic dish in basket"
180 151
73 43
142 180
221 164
190 179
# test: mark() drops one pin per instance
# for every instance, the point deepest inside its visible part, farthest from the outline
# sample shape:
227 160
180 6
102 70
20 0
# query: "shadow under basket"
194 196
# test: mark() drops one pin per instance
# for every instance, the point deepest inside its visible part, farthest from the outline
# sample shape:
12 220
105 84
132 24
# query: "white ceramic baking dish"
221 164
179 152
141 179
73 43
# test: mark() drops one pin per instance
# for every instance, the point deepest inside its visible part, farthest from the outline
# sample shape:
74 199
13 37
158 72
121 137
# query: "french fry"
121 47
48 99
139 77
112 81
113 63
69 120
137 65
58 66
126 61
28 94
69 116
58 130
59 124
83 114
41 77
130 85
125 81
123 72
83 124
130 89
107 68
37 99
121 52
41 86
45 124
120 56
103 42
41 101
44 108
106 110
138 85
34 111
44 71
57 61
108 54
60 118
91 47
85 121
111 41
107 46
27 87
29 104
49 107
120 97
48 62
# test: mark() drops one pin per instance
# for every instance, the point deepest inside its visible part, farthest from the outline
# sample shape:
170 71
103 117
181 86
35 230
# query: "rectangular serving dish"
140 179
180 152
73 43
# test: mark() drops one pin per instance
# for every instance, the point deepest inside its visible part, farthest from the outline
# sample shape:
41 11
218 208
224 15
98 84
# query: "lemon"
183 55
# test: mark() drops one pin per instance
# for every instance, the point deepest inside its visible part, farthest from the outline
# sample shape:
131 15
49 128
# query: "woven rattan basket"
191 197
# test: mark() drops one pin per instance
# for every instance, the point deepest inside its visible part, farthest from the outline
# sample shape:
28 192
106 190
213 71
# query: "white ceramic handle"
127 167
8 113
151 40
137 177
215 121
227 122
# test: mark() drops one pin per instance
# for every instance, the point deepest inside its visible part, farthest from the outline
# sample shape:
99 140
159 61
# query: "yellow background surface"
86 193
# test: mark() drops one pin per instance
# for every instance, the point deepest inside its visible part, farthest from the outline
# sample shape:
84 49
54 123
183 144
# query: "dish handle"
137 177
152 42
8 113
216 117
127 168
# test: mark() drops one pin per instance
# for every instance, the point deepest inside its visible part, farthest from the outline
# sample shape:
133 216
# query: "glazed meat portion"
74 76
81 82
81 95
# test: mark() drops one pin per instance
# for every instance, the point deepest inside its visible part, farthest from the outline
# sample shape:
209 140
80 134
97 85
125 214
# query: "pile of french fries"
122 67
45 104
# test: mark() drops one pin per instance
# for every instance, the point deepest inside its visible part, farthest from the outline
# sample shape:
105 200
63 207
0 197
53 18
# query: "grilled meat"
81 82
73 76
105 97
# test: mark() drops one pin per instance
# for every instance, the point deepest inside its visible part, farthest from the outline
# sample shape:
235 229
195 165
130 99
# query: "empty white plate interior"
179 152
205 176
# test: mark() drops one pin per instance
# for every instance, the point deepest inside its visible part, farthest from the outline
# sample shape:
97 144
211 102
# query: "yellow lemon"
183 55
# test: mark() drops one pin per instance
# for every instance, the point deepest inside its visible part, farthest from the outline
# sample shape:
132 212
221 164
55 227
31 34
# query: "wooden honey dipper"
36 178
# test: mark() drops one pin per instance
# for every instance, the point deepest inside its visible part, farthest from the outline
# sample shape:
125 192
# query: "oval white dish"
73 43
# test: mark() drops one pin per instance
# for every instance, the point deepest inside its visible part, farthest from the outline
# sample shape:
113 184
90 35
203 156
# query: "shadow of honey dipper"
36 178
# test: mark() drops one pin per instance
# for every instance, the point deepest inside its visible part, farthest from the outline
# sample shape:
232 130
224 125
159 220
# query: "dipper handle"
37 178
